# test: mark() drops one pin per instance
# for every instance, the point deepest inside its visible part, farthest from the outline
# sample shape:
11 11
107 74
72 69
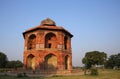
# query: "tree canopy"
9 64
3 60
14 64
94 58
113 61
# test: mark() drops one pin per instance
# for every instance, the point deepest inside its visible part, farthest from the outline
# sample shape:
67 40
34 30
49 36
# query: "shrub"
57 76
21 75
94 72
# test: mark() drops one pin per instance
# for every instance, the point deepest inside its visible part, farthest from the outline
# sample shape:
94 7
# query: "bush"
21 75
2 70
57 76
94 72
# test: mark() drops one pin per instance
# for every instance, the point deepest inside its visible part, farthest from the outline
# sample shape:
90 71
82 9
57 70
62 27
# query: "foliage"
94 58
5 69
77 67
3 60
22 75
94 71
4 63
113 61
14 64
19 75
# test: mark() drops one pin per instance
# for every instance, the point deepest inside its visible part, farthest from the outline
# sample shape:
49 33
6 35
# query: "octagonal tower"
47 47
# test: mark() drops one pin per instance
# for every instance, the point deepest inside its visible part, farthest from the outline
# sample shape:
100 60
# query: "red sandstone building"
47 47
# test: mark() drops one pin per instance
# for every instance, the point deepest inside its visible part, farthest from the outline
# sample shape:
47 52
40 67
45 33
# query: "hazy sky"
95 24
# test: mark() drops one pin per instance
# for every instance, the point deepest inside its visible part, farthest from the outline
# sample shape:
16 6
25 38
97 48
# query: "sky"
95 24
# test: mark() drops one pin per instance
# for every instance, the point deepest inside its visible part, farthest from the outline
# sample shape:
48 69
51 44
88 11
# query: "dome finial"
48 22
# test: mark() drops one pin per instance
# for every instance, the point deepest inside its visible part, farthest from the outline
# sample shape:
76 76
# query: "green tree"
113 61
14 64
3 60
94 58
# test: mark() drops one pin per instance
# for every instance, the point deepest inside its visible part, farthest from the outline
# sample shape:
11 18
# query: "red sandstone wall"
40 52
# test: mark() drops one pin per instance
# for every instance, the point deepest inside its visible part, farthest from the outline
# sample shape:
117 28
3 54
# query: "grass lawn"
103 74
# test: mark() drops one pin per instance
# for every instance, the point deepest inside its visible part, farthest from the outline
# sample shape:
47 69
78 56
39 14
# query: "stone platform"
44 73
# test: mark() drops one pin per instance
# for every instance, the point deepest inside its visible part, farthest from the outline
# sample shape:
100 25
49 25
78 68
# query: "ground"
103 74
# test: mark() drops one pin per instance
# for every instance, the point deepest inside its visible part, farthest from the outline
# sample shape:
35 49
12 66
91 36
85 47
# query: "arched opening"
50 62
31 62
50 40
67 61
65 42
32 42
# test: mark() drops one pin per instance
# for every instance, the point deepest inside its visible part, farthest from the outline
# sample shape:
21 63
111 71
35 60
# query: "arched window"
50 40
65 42
32 42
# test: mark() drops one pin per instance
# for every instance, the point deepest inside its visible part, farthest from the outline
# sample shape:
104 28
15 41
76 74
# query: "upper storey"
48 24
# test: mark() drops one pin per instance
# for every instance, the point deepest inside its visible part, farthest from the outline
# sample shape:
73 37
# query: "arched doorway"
67 62
50 40
31 62
50 62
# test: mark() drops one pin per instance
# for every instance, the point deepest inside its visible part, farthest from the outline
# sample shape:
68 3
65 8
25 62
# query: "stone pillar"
60 41
60 62
24 61
25 42
70 64
40 40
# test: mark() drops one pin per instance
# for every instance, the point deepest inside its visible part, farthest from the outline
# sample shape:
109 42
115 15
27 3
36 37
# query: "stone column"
60 62
25 42
60 40
40 40
70 64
